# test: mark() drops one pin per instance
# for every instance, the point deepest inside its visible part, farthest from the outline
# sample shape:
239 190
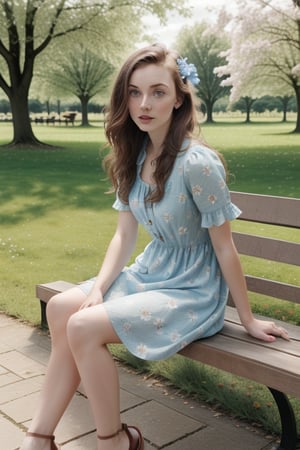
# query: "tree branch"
4 86
52 35
13 35
4 51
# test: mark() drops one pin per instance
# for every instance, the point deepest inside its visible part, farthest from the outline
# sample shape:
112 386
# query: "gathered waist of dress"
177 245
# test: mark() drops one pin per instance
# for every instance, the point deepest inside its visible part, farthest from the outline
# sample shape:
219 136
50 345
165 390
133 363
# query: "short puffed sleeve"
205 178
119 205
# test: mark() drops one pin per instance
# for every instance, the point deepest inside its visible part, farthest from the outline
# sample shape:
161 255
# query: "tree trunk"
248 108
284 113
248 104
84 99
22 129
285 101
297 91
209 112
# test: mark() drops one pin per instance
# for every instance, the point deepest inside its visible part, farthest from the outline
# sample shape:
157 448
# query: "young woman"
176 290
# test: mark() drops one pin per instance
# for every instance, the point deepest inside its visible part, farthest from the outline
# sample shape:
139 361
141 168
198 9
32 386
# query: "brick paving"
167 420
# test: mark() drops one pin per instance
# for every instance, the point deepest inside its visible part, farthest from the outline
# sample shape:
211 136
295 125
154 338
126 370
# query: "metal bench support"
44 323
289 439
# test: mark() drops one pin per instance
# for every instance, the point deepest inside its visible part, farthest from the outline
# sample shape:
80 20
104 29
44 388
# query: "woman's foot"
131 439
37 441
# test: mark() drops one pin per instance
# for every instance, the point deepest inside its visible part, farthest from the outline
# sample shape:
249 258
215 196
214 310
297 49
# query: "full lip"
145 118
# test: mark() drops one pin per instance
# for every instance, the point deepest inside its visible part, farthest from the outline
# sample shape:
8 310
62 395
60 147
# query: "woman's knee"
54 310
90 328
61 306
79 332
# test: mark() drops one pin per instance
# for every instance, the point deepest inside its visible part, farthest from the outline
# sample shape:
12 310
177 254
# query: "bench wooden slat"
45 291
281 371
273 288
236 331
267 248
267 209
231 316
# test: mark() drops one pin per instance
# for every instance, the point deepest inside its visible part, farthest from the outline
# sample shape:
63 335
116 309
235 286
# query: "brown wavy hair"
126 139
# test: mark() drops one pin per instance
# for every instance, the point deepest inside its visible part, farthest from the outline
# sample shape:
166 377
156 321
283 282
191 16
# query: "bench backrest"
279 211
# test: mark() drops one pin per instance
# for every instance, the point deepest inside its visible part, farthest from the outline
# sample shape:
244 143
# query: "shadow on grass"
33 183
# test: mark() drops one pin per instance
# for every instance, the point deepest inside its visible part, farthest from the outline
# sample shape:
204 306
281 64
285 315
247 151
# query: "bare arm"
232 270
117 255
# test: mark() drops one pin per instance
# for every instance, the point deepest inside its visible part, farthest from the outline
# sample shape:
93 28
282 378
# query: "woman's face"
152 98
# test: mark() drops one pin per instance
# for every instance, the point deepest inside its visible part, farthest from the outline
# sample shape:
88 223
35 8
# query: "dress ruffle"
120 206
218 217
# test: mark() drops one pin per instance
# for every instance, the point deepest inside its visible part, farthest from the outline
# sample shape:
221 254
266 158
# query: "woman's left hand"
265 330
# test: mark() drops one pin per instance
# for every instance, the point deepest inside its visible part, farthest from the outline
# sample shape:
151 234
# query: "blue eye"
134 92
158 93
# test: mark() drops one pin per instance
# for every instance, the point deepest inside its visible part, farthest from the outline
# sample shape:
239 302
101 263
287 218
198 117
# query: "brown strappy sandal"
44 436
136 440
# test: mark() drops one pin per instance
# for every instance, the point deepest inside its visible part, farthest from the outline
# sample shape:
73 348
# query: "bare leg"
89 330
62 377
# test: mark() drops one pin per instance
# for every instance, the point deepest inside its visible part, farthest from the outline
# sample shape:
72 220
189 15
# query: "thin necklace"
153 161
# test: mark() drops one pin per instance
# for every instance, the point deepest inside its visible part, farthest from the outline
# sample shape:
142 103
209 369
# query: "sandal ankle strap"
38 435
103 438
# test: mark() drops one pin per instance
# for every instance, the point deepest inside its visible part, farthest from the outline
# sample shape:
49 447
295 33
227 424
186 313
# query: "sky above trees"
200 10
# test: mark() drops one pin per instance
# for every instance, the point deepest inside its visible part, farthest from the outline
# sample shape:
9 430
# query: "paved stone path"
167 420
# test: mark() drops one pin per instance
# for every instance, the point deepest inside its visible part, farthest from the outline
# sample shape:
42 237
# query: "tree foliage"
29 27
264 57
202 47
80 73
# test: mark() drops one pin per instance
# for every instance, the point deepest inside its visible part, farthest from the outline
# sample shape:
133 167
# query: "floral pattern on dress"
174 292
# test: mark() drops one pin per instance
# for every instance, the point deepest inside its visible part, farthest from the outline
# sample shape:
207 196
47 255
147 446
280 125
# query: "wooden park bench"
275 365
69 117
65 118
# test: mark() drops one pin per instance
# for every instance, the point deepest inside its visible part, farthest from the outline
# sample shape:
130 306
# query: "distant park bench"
66 118
275 365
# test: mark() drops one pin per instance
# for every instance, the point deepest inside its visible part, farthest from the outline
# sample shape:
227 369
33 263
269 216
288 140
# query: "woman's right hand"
93 299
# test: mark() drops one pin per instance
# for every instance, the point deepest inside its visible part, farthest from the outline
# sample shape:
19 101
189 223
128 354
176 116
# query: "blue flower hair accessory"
188 71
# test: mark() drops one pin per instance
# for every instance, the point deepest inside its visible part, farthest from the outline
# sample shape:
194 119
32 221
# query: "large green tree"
78 72
29 27
202 47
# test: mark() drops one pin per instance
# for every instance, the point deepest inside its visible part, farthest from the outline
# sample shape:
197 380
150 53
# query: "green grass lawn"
262 158
56 219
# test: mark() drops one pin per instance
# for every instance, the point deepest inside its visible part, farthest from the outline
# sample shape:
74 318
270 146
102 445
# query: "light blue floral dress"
174 293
